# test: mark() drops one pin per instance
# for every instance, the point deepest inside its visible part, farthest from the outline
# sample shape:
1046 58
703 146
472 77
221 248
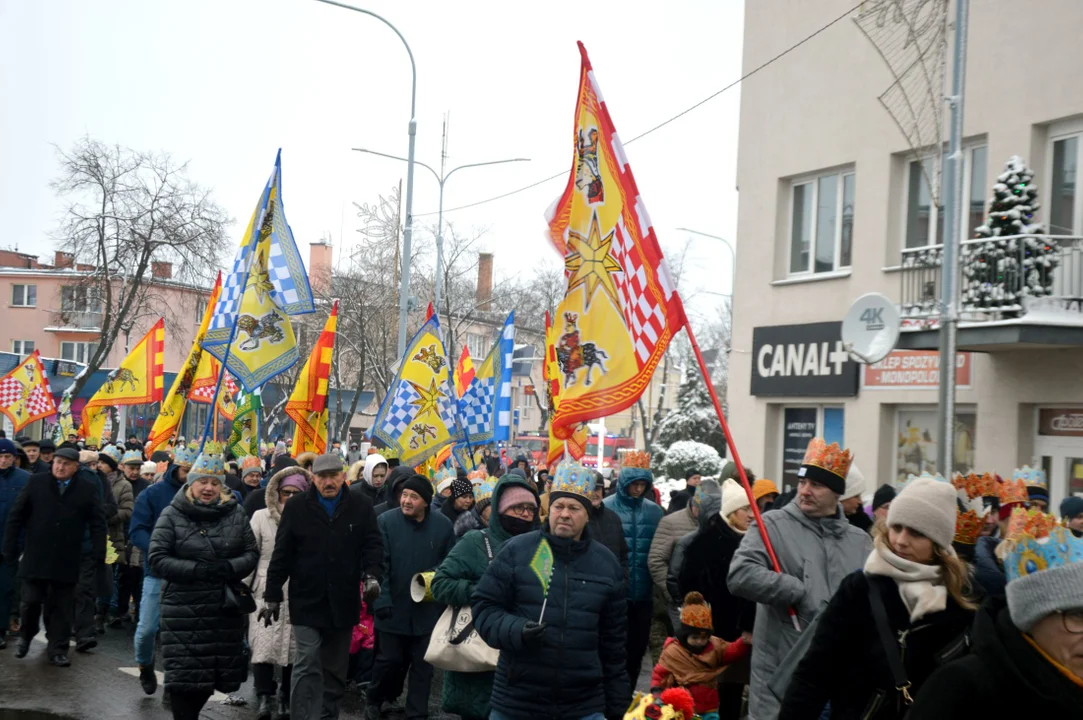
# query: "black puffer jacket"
987 570
1004 676
706 566
847 664
579 670
606 528
202 646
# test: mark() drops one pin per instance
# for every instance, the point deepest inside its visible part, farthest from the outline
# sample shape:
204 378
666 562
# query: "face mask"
515 525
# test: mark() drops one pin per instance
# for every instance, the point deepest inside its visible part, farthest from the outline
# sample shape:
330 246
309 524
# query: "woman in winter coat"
477 518
272 645
468 694
201 543
919 584
460 501
704 569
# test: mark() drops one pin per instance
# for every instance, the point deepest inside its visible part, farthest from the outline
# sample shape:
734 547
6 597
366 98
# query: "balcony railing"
75 319
999 278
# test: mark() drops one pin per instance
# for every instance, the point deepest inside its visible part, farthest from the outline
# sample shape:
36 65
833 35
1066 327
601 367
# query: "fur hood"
274 505
469 520
354 473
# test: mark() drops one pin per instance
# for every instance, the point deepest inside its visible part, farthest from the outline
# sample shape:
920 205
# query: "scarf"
693 669
921 587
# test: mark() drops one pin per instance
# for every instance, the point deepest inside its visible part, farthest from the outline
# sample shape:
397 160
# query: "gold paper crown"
637 459
1033 524
968 527
1012 491
831 458
971 485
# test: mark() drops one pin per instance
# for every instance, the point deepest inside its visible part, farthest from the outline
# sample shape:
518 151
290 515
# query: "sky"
223 84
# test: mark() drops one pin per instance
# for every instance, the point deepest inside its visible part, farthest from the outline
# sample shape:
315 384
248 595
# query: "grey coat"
815 555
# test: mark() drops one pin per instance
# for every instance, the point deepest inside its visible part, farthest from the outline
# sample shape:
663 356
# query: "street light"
733 264
441 179
407 234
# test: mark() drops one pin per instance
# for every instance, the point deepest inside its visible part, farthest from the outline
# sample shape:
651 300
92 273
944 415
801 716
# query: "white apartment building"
834 204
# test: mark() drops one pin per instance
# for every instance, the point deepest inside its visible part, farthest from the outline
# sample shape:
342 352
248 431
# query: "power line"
662 124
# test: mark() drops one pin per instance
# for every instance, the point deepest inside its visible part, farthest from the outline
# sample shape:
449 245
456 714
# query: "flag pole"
737 460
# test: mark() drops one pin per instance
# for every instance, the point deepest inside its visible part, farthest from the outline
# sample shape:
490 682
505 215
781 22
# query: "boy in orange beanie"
694 658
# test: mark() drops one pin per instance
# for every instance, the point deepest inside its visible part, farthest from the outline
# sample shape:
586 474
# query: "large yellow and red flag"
620 308
307 406
24 393
571 439
464 372
137 381
206 382
172 408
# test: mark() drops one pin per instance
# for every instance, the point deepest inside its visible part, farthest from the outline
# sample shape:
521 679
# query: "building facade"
834 203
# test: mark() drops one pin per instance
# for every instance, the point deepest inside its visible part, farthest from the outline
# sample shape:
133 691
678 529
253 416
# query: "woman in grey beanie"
1027 651
915 584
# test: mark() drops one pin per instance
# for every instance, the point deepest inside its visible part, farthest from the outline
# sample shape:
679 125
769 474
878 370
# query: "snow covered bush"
694 418
685 455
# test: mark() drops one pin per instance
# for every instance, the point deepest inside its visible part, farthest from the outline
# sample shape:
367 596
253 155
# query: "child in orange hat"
694 658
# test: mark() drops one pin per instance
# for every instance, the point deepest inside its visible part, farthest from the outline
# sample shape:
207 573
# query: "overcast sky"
225 83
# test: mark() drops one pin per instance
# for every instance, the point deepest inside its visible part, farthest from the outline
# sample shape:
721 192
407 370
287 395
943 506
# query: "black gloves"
534 633
269 613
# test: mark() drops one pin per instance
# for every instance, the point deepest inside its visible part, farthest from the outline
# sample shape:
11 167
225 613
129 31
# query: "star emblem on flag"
428 400
590 262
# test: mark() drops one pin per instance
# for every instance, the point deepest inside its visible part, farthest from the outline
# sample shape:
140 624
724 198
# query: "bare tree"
127 209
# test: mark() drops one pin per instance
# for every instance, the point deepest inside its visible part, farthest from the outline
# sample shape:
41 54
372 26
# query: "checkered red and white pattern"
11 391
645 318
205 393
39 400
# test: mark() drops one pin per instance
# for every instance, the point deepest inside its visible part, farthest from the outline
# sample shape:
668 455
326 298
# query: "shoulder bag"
455 644
891 647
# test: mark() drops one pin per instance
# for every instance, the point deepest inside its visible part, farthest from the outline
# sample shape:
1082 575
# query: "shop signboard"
915 370
1060 422
802 361
799 427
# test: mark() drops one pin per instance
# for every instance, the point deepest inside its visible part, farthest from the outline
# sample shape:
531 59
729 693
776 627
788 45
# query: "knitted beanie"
461 487
883 495
1035 596
297 480
1071 506
764 487
251 464
515 495
928 506
734 498
421 485
444 484
855 483
696 613
148 467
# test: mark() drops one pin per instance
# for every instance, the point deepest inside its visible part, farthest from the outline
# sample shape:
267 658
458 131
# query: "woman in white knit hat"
891 625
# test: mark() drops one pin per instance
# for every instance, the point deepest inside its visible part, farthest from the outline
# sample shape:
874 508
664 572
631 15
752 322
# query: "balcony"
74 321
1015 292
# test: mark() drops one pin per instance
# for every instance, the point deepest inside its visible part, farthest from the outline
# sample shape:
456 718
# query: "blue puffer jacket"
148 506
580 668
640 518
12 482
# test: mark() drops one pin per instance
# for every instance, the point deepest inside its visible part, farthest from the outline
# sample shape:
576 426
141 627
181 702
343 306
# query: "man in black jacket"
415 540
562 642
679 499
32 448
605 525
55 509
327 546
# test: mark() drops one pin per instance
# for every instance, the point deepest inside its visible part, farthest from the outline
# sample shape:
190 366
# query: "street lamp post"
441 179
407 234
733 261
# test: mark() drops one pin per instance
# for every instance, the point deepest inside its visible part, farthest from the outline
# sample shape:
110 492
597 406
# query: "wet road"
103 683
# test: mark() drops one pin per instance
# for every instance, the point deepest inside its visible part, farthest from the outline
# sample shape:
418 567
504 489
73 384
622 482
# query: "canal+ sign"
802 361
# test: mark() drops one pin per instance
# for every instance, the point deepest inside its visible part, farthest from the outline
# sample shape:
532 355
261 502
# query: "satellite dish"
871 328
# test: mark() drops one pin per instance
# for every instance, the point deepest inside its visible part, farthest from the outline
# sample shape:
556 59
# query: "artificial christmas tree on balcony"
1017 260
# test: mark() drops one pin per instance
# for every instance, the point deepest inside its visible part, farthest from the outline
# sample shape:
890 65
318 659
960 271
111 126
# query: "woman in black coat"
915 577
201 543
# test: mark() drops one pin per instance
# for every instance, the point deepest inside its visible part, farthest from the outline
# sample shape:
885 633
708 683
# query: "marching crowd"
536 593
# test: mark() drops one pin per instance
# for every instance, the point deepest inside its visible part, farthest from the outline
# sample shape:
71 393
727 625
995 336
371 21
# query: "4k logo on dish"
873 318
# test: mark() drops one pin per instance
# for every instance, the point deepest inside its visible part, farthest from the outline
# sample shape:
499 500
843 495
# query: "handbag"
891 647
237 599
455 644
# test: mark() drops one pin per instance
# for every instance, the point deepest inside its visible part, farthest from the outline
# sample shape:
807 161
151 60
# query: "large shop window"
799 426
916 446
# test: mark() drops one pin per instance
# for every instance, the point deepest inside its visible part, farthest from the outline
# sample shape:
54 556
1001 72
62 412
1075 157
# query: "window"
77 351
822 224
799 426
201 309
76 298
24 295
925 223
22 347
478 345
1064 211
916 430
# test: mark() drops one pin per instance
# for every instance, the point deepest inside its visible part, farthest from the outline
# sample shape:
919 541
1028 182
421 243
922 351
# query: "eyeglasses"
289 493
522 509
1073 621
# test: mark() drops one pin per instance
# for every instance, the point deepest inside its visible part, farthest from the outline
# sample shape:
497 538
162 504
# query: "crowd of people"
540 594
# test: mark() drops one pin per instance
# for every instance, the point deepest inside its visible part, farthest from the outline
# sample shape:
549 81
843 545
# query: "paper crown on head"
443 474
478 475
819 456
209 463
574 479
696 613
185 456
1037 543
132 457
484 490
1031 477
250 462
113 452
389 453
1012 491
971 485
637 459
